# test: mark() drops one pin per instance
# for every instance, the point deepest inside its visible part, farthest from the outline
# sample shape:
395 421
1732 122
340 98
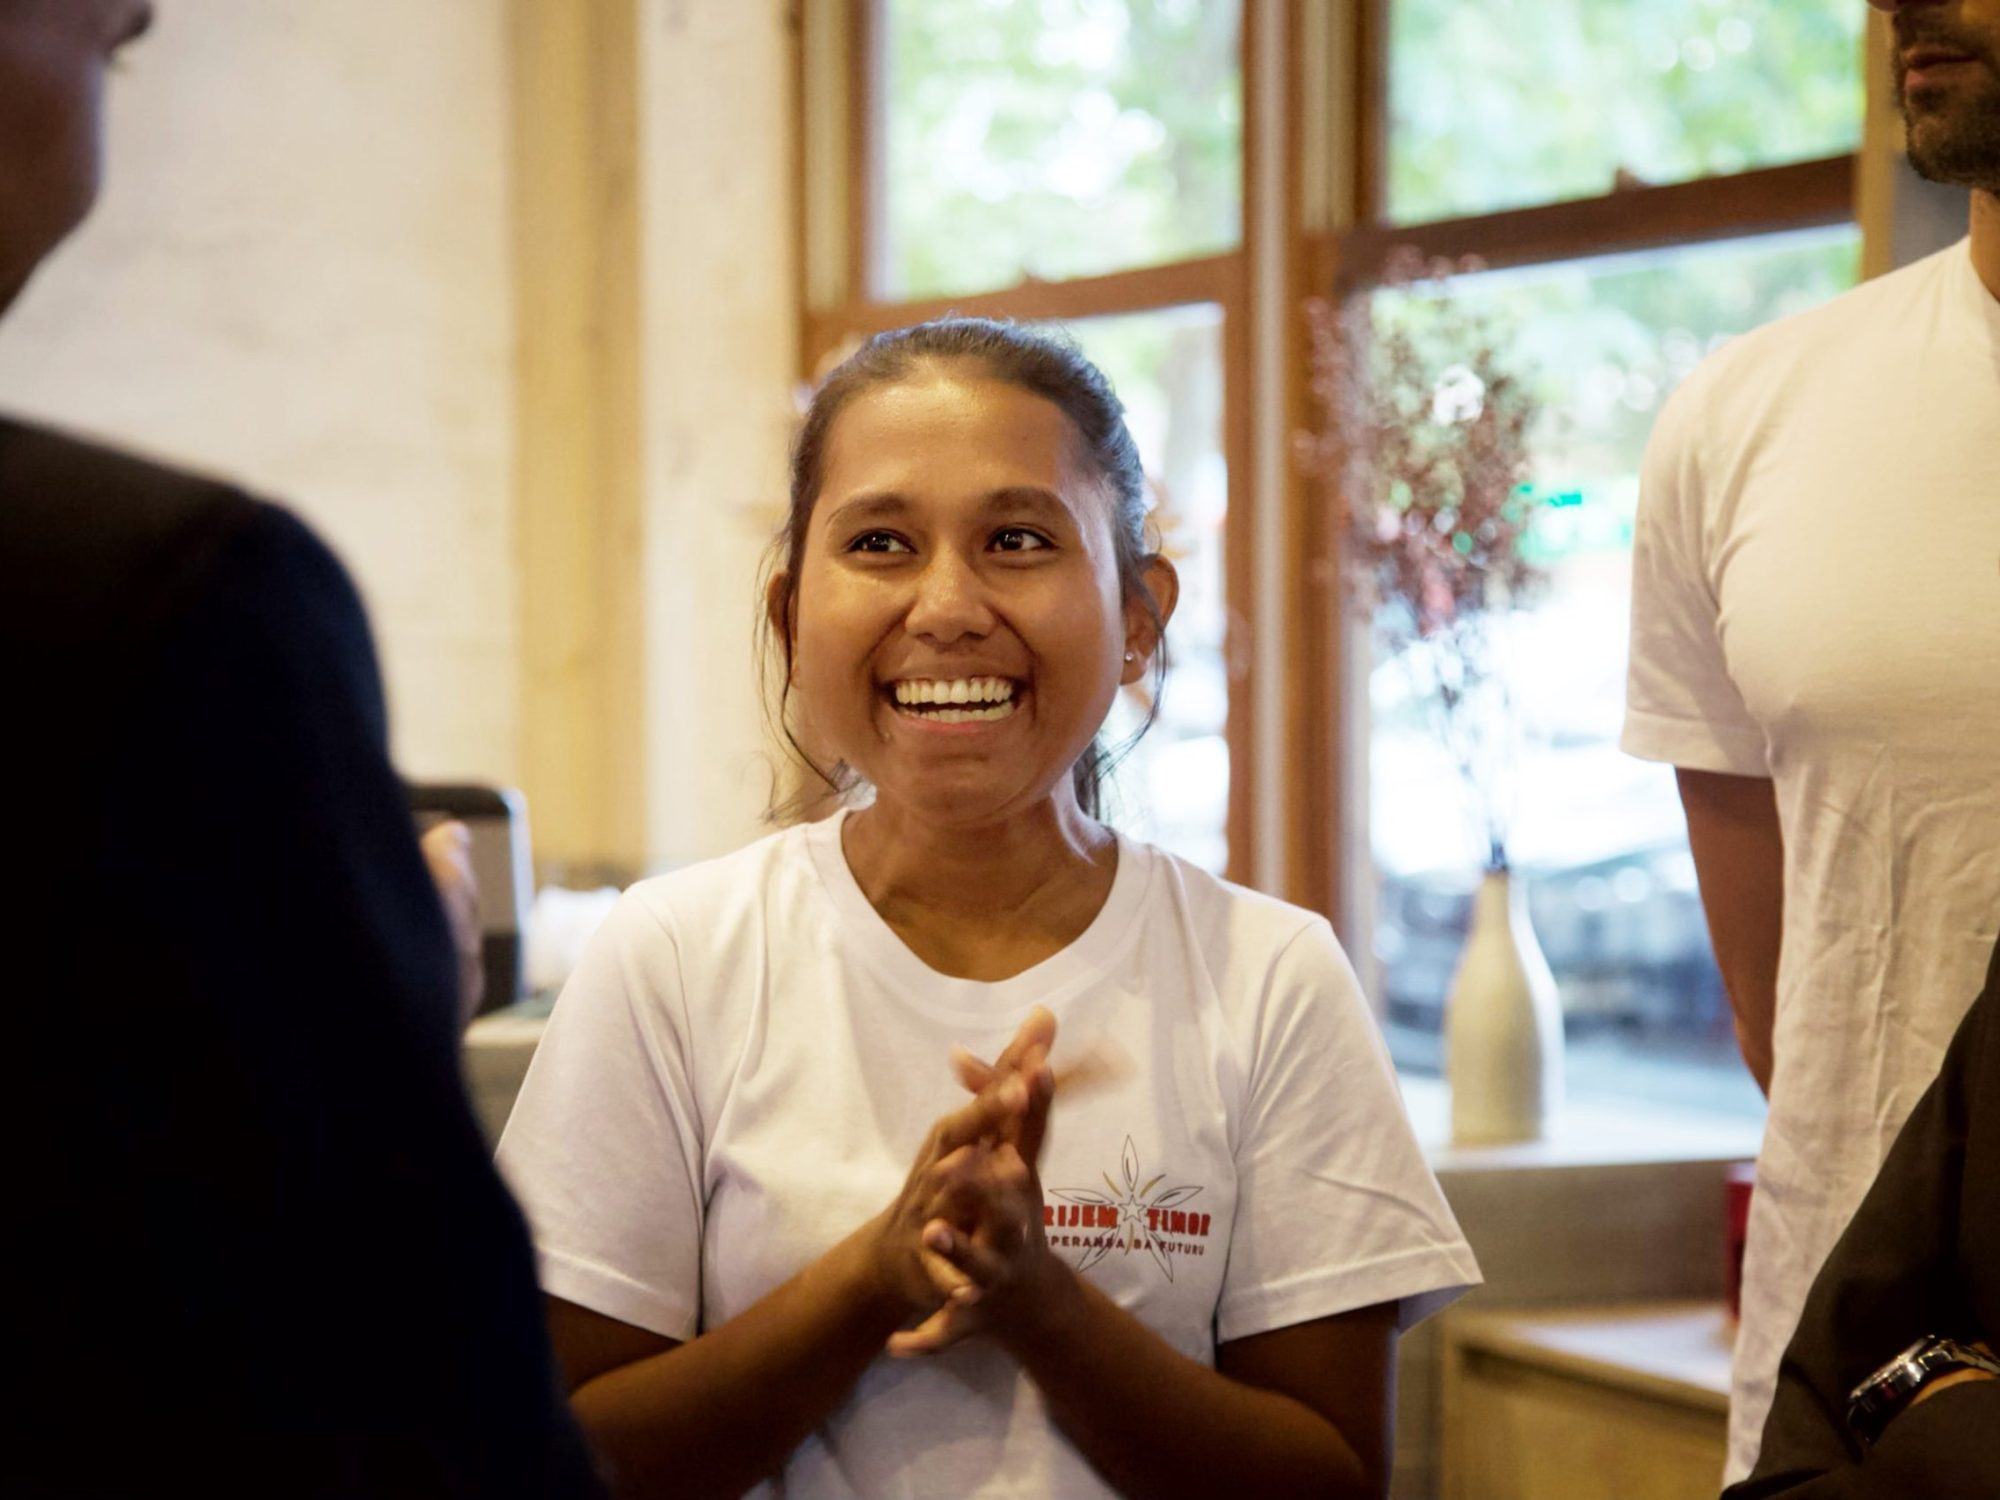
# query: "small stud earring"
1131 656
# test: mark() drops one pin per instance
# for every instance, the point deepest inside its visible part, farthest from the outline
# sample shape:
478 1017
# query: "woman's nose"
950 602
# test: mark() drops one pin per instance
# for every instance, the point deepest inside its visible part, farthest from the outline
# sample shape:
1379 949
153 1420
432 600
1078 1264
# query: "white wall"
299 276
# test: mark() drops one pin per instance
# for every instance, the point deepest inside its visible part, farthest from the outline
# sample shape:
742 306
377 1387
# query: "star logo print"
1140 1206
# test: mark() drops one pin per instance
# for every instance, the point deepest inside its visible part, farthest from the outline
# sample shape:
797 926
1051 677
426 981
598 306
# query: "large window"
1173 788
1640 180
1599 837
1598 150
1056 139
1519 102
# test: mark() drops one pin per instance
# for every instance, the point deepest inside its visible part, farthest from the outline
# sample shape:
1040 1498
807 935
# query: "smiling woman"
1061 517
735 1082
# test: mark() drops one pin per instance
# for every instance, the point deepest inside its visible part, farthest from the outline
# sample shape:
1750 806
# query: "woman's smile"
938 702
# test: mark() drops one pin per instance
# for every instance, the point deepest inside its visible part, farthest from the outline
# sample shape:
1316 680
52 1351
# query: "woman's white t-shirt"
747 1060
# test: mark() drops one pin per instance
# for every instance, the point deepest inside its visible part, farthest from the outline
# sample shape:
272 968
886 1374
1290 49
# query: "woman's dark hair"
1045 363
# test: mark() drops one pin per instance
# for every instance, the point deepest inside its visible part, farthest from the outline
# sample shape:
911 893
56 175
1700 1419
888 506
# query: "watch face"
1882 1395
1878 1398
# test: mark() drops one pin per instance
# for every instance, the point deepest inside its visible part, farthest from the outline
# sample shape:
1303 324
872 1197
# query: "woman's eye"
1019 539
878 541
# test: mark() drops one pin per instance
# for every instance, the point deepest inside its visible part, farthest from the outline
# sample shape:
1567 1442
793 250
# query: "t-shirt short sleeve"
1336 1208
1681 705
604 1145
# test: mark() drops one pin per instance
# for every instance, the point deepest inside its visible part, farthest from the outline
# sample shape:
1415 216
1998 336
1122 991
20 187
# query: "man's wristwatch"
1890 1389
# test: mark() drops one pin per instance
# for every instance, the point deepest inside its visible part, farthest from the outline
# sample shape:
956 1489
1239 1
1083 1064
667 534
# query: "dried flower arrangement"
1424 437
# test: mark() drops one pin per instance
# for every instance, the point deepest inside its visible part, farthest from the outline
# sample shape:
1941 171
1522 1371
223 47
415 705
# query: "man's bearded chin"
1959 146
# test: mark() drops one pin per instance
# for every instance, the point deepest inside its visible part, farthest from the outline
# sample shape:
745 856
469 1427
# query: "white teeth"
956 690
971 715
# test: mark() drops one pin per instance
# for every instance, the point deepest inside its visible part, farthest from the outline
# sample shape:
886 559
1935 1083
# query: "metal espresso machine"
504 869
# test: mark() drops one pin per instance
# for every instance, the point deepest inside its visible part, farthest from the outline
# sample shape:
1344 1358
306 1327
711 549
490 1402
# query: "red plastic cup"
1737 1186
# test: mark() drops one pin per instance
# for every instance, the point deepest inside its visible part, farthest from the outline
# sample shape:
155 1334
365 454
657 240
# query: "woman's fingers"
961 1196
950 1282
1037 1031
947 1194
958 1295
977 1245
1031 1067
992 1112
955 1194
955 1163
982 1217
966 1185
978 1262
1034 1124
973 1074
951 1324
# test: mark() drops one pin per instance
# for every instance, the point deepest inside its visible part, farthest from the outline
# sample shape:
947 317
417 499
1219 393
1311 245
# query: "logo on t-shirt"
1141 1215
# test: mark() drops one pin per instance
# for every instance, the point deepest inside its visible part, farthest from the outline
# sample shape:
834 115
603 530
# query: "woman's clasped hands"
962 1244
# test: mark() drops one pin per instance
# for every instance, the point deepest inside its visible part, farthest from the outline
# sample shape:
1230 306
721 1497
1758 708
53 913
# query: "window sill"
1585 1133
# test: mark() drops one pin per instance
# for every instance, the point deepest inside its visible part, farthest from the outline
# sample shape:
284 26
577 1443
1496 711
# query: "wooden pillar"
1334 173
579 446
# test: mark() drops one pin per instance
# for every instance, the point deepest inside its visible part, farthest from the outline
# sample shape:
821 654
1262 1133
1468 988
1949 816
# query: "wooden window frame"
1297 760
1768 200
1347 261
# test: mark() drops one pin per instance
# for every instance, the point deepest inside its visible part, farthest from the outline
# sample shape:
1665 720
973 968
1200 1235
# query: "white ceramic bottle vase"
1503 1024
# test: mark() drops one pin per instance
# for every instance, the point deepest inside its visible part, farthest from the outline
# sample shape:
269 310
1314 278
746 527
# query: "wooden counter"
1624 1403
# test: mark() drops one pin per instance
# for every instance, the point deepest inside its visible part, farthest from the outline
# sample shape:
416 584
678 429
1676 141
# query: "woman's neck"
983 901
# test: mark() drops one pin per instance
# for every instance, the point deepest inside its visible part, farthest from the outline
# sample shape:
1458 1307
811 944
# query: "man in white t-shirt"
1816 648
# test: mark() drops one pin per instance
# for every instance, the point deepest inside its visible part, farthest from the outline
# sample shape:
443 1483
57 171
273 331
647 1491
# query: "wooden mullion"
1371 98
1239 578
1239 526
864 119
1207 279
1309 875
801 196
1800 195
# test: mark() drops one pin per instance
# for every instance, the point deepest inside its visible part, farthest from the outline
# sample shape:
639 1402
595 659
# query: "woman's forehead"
953 419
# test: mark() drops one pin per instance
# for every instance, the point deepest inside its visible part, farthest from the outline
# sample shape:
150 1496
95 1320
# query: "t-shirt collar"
972 1001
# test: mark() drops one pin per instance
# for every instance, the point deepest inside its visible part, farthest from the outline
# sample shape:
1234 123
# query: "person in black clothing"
256 1244
1920 1260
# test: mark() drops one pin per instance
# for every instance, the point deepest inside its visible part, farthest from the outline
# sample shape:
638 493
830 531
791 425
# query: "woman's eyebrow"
1032 499
864 508
1014 500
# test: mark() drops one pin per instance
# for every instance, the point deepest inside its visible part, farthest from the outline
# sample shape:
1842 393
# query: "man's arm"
1739 856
